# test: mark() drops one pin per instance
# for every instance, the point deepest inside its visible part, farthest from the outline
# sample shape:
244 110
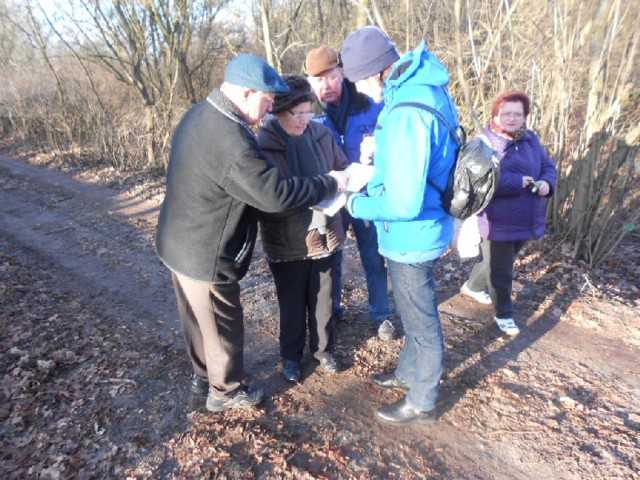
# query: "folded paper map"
359 175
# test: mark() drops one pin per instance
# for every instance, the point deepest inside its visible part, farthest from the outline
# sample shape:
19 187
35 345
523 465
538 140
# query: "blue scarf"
340 114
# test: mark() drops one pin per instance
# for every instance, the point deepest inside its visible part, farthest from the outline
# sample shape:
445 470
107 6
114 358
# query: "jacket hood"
415 68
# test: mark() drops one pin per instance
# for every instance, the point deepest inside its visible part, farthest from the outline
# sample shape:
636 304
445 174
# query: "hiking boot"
386 331
242 397
480 297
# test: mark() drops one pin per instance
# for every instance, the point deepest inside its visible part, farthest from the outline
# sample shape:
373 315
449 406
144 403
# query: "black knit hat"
299 92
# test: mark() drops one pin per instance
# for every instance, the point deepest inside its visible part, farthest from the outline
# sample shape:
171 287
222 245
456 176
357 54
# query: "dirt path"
94 374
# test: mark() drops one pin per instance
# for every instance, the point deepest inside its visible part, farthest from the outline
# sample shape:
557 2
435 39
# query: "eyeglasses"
300 115
512 115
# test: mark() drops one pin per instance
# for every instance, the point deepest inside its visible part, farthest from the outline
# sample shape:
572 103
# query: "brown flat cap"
320 59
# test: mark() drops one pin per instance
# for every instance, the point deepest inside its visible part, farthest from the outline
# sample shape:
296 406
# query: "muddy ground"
94 376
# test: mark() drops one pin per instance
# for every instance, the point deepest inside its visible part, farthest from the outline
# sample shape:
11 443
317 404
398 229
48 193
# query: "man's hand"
351 196
340 177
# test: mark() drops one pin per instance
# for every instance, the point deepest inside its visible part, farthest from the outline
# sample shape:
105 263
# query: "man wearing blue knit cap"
414 153
217 182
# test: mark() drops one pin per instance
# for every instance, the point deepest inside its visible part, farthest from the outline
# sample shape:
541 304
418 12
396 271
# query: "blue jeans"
374 269
421 360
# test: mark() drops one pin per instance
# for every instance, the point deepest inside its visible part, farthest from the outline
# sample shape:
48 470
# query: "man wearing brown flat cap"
351 116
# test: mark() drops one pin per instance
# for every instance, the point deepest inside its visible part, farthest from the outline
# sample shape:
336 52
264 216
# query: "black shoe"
402 413
291 371
243 397
389 380
329 364
199 385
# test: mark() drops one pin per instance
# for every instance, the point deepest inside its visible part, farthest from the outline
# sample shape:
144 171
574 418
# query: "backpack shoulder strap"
435 112
485 139
440 117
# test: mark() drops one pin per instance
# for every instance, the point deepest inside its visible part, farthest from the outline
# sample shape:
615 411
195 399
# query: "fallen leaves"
84 396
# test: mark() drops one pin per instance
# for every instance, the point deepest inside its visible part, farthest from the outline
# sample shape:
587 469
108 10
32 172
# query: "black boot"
401 413
291 371
389 380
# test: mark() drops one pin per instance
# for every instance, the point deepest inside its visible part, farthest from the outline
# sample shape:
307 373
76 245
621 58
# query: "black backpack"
474 177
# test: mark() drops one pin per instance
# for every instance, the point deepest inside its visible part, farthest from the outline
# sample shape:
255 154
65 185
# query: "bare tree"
266 32
578 59
288 36
32 28
599 193
11 40
145 46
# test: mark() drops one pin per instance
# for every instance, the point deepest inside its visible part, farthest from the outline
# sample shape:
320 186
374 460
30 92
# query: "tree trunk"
460 66
149 133
266 33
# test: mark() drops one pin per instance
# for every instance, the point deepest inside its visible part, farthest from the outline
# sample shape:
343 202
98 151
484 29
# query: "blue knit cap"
253 72
367 52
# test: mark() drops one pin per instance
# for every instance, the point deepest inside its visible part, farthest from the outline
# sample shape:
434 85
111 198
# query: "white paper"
330 206
359 175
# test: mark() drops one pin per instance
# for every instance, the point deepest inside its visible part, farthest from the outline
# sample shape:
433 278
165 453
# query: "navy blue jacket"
515 213
362 120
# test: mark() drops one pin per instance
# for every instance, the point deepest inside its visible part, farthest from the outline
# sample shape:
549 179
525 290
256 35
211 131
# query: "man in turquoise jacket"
413 149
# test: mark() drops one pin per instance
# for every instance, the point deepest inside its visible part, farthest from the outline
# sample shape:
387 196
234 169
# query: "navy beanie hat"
367 52
253 72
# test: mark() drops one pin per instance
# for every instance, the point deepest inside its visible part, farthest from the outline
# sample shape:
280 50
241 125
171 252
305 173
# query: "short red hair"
511 96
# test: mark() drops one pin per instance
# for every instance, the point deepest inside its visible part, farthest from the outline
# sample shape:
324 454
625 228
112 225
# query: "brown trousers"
213 328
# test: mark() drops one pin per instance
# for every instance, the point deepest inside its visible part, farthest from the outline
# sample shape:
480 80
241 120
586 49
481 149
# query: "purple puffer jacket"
515 213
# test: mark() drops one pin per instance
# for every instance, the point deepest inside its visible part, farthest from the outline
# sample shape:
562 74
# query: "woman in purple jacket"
517 212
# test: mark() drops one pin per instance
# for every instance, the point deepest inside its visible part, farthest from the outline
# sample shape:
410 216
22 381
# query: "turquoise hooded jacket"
412 145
